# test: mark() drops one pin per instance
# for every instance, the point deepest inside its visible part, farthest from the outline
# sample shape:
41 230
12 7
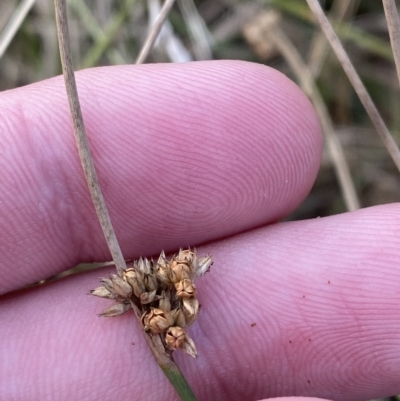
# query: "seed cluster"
164 292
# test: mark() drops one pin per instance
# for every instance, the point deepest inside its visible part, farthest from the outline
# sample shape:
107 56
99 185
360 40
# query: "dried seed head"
190 307
121 287
102 292
116 310
163 292
185 288
135 279
175 337
179 271
157 321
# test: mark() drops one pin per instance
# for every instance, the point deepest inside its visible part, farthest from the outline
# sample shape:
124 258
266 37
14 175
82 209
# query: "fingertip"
186 153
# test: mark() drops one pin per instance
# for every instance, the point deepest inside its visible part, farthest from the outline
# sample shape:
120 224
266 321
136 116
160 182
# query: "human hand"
188 154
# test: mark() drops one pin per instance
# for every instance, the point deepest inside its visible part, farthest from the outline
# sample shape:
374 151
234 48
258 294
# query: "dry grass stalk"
168 42
393 21
81 137
154 31
355 80
319 49
306 81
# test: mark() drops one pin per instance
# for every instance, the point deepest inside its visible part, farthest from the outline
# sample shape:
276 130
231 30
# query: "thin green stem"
176 378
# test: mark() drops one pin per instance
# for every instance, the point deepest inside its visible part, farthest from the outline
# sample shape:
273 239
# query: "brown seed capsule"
135 279
185 289
157 321
175 337
116 310
190 307
179 271
121 287
102 292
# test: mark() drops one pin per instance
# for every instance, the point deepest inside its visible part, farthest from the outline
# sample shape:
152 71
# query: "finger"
305 308
185 154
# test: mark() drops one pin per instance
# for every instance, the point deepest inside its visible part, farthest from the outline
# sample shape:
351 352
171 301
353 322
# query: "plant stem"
335 148
81 137
393 23
356 82
164 360
179 382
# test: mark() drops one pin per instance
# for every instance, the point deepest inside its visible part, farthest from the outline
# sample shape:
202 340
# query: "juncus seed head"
162 292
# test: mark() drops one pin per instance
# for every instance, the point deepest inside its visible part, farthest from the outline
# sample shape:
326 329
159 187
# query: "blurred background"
113 31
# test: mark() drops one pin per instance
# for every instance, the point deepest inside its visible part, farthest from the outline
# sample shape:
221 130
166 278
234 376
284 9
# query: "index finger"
185 154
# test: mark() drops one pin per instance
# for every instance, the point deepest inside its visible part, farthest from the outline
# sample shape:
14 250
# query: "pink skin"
187 154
